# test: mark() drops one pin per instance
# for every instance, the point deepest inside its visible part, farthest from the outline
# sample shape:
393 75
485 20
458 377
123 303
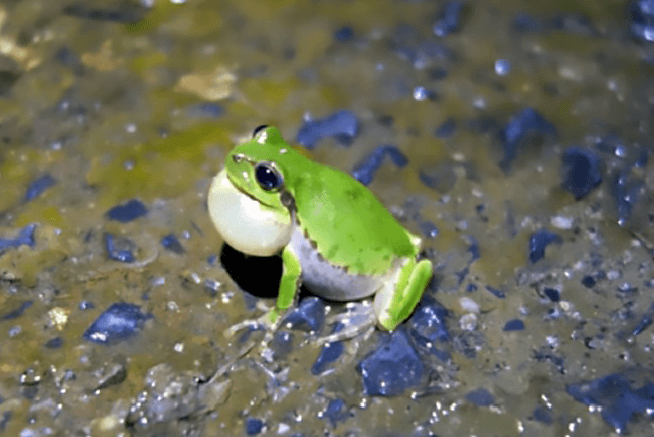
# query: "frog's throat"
245 223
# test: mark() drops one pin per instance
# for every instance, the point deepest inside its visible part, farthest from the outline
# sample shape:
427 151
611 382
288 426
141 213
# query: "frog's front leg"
288 286
397 299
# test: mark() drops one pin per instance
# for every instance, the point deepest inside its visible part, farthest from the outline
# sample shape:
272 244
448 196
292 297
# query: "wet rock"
38 186
581 171
480 397
365 171
421 52
519 129
545 355
119 248
429 229
642 20
171 396
344 34
309 315
588 281
172 244
25 237
335 412
205 110
574 23
15 313
329 354
500 294
110 374
552 294
469 343
118 323
429 321
282 344
526 23
449 20
502 67
392 368
441 177
54 343
628 191
620 402
514 325
539 241
253 426
446 129
342 125
645 322
122 12
126 212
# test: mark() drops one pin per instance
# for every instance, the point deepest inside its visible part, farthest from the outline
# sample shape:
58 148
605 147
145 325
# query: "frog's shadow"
257 275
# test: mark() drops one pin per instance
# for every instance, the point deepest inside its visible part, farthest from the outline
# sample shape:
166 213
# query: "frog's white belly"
328 281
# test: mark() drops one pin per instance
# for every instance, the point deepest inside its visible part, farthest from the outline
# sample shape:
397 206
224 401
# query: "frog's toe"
269 322
358 318
253 324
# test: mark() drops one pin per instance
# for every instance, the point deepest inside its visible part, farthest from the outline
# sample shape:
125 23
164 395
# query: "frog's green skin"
333 234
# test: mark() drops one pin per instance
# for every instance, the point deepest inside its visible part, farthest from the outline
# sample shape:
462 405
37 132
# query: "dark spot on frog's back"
312 243
352 194
332 251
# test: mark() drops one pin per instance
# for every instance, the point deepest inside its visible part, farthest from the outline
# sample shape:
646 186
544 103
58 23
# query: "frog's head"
255 167
248 202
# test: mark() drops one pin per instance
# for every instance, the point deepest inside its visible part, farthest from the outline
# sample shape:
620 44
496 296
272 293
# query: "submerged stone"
342 125
119 322
392 368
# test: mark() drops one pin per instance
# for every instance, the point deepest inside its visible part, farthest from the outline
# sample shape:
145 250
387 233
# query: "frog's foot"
269 322
359 317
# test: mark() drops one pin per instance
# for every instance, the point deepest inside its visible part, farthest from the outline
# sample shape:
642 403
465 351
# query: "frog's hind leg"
395 302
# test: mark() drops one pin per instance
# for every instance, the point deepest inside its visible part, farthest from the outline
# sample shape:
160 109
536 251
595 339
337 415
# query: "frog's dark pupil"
259 129
267 177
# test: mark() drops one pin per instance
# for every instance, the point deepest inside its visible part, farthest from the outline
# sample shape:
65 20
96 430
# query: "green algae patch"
158 14
35 212
25 263
204 19
189 145
166 167
270 94
19 169
141 64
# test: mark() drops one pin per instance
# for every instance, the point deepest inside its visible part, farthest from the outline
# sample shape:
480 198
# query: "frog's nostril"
238 157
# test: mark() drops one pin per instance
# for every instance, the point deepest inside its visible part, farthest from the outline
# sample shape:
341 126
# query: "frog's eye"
259 129
268 176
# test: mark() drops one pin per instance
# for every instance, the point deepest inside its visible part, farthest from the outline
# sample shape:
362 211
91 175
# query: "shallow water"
104 102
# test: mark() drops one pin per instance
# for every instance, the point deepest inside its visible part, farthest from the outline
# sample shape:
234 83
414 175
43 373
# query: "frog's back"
347 223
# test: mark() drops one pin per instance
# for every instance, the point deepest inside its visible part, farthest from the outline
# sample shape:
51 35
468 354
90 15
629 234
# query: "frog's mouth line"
235 185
